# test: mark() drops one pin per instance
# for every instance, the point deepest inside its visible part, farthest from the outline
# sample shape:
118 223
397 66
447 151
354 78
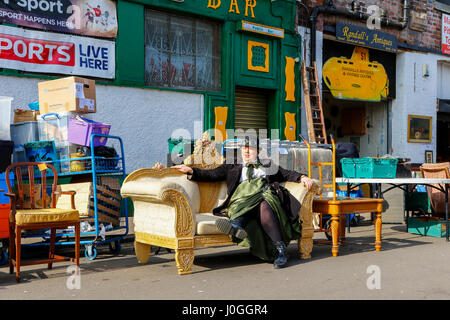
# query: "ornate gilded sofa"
173 212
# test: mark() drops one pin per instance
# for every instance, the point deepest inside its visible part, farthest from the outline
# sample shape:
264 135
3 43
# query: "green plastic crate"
432 227
181 145
369 167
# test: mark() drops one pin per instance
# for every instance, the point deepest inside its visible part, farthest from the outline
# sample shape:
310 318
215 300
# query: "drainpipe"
357 15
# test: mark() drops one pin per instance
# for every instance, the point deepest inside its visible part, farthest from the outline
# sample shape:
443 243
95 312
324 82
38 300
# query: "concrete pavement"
409 267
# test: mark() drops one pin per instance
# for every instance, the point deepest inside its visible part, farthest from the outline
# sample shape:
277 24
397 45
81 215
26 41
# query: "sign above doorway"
366 37
261 29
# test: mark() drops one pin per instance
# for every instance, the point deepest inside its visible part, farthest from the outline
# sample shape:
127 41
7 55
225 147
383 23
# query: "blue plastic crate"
3 186
369 167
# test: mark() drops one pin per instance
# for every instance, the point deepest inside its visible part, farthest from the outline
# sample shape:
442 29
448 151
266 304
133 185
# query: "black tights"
267 218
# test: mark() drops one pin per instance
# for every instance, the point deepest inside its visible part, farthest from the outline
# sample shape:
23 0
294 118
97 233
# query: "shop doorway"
363 123
251 109
443 137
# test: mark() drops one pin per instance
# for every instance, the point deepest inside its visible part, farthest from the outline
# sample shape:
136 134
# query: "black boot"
281 260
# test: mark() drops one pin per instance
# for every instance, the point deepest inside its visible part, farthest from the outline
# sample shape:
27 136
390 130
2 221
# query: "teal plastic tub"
369 167
184 146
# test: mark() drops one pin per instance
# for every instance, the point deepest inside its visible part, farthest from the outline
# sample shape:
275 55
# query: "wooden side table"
342 206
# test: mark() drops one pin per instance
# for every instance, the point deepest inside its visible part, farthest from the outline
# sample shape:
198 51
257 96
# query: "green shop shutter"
250 109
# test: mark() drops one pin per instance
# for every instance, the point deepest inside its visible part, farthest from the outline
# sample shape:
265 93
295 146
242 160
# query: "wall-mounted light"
426 70
178 0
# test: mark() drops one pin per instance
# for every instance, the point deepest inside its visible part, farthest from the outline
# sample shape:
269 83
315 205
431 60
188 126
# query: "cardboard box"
74 94
37 195
21 115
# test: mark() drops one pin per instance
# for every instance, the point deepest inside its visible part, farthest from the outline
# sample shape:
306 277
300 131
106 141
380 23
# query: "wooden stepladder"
313 105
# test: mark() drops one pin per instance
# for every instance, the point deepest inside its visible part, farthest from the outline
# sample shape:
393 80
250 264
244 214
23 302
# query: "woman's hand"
159 166
183 169
307 182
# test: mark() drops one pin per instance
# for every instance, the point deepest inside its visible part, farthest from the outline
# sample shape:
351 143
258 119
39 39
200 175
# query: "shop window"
181 52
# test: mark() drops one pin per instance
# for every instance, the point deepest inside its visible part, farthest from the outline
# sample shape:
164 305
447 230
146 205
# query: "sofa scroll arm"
184 216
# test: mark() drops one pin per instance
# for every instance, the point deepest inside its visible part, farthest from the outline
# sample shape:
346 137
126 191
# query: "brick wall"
430 39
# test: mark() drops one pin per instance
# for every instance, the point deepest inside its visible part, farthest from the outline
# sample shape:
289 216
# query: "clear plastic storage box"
64 150
23 132
55 126
5 117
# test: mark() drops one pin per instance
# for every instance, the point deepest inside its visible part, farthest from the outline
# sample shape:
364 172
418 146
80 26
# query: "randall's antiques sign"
366 37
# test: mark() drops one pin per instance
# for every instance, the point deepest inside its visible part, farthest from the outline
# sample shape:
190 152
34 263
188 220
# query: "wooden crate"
108 200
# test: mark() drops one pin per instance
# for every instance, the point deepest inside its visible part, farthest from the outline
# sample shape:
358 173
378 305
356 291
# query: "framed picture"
419 129
428 156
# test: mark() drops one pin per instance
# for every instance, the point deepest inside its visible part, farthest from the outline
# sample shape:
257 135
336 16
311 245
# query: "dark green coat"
259 242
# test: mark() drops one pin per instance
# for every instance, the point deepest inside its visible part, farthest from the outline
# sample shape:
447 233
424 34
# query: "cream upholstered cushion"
155 187
27 216
205 224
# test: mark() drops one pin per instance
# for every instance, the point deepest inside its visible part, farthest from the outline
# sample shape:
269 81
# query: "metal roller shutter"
250 109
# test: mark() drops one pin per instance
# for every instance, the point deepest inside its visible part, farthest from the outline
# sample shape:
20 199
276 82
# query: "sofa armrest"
165 202
306 197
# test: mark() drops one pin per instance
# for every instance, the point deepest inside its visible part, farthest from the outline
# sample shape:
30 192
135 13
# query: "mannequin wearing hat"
260 213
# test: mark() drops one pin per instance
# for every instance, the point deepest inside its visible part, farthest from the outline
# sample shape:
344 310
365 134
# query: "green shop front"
242 55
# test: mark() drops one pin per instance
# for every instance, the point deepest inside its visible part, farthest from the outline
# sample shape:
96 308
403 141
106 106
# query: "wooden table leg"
335 234
378 224
342 223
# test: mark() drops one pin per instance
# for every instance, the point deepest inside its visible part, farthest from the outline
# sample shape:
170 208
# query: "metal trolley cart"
105 207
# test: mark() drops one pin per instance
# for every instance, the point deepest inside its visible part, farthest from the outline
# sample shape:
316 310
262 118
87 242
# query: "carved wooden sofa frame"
172 212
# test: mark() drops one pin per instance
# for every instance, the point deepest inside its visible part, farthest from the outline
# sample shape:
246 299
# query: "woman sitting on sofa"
261 214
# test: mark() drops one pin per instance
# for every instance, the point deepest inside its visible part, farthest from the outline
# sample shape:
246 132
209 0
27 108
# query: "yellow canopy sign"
356 78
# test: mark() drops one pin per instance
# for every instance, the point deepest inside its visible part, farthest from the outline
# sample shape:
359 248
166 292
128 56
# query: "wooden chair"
437 198
25 215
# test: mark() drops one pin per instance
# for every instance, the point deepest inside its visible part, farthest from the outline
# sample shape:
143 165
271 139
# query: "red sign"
49 52
36 51
446 33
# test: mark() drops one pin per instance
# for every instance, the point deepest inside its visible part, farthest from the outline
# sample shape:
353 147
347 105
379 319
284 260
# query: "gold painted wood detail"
290 79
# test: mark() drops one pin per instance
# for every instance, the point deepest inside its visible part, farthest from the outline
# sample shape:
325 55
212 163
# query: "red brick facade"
431 38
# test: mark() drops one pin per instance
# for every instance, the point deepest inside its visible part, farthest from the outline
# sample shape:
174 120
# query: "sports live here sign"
445 33
36 51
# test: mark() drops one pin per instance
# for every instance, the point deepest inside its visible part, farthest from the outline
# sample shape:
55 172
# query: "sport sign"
37 51
87 17
445 33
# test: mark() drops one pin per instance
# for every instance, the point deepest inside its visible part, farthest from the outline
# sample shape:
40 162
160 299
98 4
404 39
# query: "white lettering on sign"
43 5
271 31
36 51
445 34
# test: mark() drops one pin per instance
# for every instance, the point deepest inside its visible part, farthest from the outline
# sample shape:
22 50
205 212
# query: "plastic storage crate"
80 132
185 146
23 132
42 151
4 220
3 186
369 168
55 126
5 118
64 150
432 227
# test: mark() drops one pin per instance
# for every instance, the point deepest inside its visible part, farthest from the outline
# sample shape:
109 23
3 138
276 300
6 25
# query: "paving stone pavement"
409 267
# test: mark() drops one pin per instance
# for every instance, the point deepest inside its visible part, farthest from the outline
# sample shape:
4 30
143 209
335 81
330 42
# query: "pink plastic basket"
80 131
